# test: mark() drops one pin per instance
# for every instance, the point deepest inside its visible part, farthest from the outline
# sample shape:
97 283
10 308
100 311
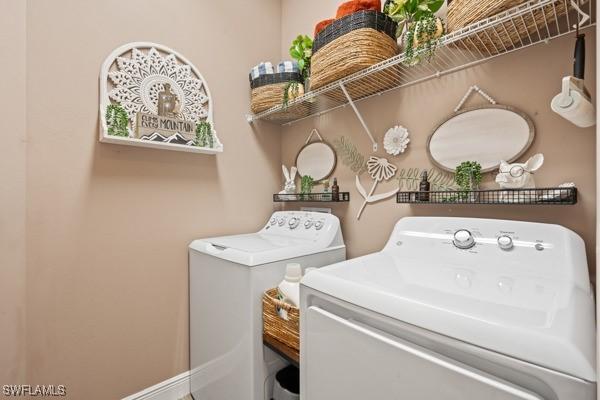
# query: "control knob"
308 224
281 221
318 225
463 239
505 242
294 222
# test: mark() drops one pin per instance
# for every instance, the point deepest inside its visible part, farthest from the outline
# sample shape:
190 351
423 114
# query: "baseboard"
174 388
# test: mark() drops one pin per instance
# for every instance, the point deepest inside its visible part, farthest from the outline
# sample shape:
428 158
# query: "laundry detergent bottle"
289 288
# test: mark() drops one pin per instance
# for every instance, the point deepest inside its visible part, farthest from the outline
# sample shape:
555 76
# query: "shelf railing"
532 23
530 197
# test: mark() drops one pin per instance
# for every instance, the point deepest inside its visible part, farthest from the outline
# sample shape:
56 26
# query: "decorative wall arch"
131 79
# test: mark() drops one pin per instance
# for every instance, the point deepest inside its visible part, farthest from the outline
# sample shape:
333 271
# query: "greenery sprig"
290 92
204 135
117 120
421 40
350 155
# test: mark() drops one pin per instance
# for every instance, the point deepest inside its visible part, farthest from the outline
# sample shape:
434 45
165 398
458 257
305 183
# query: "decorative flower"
138 80
396 140
380 169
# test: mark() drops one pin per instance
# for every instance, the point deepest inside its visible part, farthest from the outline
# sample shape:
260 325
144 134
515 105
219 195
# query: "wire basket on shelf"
543 196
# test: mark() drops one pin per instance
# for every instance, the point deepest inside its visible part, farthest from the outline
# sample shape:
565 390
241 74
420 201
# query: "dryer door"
344 359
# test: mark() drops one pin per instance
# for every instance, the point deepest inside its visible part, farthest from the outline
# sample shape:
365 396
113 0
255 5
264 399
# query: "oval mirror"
487 135
316 160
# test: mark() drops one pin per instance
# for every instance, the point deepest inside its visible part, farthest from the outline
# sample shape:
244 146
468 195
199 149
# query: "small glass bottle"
326 193
335 191
424 187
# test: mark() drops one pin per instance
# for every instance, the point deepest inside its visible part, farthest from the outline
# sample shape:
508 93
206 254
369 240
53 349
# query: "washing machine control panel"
301 224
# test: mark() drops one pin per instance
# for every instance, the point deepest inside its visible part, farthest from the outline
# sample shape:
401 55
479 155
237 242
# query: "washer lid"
504 301
257 248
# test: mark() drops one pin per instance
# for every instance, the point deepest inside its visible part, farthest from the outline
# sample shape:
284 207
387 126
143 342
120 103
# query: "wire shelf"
544 196
533 22
343 197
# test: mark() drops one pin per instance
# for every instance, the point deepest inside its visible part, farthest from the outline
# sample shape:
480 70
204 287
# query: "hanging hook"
580 13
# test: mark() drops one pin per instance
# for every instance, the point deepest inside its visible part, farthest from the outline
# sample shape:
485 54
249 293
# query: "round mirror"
487 135
316 160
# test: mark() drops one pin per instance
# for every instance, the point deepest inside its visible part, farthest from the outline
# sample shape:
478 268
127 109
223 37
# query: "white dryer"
228 276
453 309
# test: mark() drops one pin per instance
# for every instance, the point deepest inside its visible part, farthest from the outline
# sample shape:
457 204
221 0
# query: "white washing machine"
228 276
453 309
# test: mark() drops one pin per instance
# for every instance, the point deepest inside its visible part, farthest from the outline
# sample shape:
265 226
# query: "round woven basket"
267 96
464 12
491 41
350 53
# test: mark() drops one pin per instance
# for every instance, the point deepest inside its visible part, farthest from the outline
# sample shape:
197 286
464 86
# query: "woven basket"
285 331
352 44
267 90
493 41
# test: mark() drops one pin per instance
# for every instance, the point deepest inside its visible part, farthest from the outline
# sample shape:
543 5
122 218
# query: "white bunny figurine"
517 176
290 180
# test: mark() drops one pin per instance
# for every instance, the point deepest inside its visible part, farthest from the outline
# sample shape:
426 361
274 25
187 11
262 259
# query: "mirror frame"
330 172
526 117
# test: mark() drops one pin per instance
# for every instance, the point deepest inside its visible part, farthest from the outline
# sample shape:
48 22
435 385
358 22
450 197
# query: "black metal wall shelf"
343 197
543 196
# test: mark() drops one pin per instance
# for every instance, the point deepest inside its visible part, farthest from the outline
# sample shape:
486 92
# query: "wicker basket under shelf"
267 91
495 40
285 331
352 44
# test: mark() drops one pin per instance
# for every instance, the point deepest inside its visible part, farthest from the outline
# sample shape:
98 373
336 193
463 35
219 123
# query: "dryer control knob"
318 225
281 221
308 224
273 221
463 239
505 242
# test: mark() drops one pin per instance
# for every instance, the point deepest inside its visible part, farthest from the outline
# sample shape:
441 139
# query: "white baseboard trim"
174 388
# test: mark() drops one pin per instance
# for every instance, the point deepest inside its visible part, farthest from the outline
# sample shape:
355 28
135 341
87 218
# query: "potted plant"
301 51
468 178
418 26
306 184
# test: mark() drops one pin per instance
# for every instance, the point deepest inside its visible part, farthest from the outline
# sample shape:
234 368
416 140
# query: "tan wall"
527 80
12 192
108 225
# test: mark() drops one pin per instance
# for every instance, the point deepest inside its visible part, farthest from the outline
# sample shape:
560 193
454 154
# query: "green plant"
301 51
468 175
290 91
117 120
420 27
350 155
421 39
306 184
204 135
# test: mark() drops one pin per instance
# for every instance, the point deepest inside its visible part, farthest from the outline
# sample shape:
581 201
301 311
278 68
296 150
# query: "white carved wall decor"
133 76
